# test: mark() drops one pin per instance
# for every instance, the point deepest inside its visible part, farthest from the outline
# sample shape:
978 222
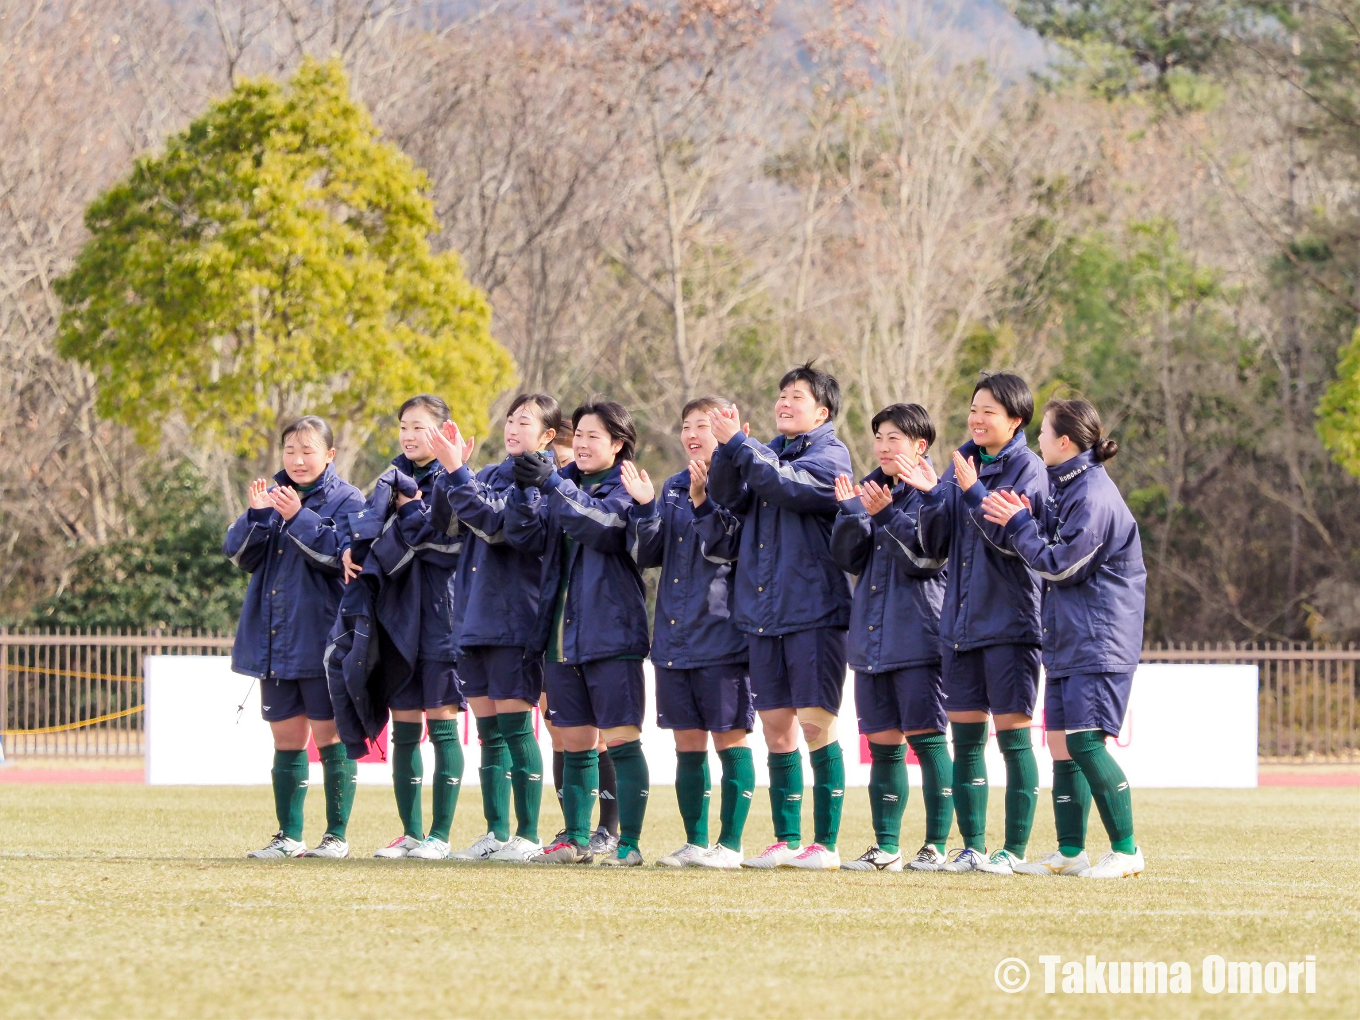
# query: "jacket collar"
403 464
971 449
608 484
324 484
1064 473
786 448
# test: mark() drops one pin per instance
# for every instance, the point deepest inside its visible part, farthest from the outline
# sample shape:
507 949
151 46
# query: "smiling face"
797 411
593 446
305 456
889 441
524 431
696 436
989 425
416 425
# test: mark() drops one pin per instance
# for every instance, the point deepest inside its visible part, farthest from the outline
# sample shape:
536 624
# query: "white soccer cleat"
771 857
279 846
480 850
330 846
398 848
517 850
718 857
430 849
874 859
814 857
1054 864
963 860
623 857
679 858
927 859
1001 862
602 843
1117 865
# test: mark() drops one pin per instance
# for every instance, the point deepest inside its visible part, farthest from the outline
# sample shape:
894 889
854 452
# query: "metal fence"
1307 693
81 693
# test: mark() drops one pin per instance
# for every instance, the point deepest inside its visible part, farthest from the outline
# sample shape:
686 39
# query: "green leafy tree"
1339 410
169 573
275 260
1126 45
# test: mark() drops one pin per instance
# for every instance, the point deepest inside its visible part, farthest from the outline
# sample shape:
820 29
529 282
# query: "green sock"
1109 787
738 787
634 785
495 776
526 776
1071 805
340 778
970 783
692 792
887 793
290 790
828 793
408 772
448 775
580 787
1022 787
932 750
786 797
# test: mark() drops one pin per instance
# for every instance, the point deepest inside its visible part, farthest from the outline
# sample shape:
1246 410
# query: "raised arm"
601 524
526 521
803 486
852 537
319 538
1070 556
477 506
247 539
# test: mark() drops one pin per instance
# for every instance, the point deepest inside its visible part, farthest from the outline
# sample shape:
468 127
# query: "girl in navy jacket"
591 621
703 684
894 639
498 586
1082 543
287 541
989 623
420 549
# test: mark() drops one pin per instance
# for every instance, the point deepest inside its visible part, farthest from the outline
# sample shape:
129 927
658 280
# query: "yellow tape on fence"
52 671
75 725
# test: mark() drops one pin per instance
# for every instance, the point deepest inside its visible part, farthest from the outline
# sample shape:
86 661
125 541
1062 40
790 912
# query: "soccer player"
791 600
1083 543
703 685
287 542
424 553
592 622
989 624
498 588
894 639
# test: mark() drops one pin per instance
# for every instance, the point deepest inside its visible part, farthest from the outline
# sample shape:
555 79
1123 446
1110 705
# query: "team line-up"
522 585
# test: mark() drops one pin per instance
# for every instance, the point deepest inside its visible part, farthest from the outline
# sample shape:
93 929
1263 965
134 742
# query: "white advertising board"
196 735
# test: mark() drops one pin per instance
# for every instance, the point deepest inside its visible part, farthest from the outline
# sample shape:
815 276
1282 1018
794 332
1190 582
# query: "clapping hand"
637 483
258 494
449 446
285 500
726 423
1000 506
532 470
964 471
919 475
698 481
875 497
846 489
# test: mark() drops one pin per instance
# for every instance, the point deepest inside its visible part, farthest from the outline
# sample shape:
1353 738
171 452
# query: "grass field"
135 901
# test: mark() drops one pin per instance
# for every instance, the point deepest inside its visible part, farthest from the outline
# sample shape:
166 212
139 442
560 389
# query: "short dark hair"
309 423
549 410
912 420
1079 421
1011 392
825 389
435 405
706 403
617 422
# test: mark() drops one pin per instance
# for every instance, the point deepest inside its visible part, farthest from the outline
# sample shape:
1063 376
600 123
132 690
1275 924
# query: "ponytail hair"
1079 421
